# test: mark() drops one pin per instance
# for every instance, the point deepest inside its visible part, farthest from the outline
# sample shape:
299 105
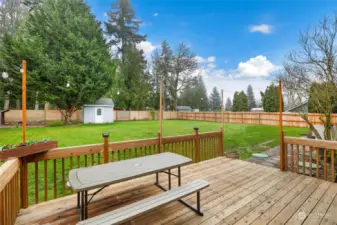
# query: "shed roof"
102 102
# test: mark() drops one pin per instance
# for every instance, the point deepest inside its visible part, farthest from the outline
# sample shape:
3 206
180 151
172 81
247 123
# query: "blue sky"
237 42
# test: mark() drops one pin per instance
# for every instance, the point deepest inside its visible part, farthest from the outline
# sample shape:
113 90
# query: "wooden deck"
240 192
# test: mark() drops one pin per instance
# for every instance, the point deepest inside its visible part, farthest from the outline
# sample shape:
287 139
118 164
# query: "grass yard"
245 138
236 135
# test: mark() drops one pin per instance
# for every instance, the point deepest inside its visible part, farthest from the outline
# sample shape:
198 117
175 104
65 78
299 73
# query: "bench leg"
86 204
157 178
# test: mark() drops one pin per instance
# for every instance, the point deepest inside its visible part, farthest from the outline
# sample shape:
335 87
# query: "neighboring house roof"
102 102
184 107
298 106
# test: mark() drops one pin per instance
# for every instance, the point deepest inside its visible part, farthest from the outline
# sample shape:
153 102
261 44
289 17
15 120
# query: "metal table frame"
82 196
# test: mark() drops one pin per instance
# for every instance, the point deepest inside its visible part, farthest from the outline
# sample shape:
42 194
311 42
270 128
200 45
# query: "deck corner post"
282 153
106 147
24 183
222 150
196 144
159 142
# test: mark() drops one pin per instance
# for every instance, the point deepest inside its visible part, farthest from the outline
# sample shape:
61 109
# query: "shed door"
99 115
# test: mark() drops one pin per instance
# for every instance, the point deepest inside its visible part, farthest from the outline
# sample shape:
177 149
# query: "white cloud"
258 66
211 65
106 14
263 28
211 59
156 14
147 47
256 71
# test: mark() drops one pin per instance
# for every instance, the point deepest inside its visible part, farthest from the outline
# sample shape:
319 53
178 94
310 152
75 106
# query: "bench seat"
138 208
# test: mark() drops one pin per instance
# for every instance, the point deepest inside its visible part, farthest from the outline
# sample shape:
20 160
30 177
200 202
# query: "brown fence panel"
263 118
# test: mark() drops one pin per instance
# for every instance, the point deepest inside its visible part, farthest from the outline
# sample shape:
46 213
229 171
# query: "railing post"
282 153
159 142
106 147
196 144
24 183
222 142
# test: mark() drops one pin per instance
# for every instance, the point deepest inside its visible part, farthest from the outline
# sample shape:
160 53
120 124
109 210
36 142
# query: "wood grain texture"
240 192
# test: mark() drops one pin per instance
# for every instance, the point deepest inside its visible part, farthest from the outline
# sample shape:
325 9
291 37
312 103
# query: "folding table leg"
157 178
169 178
78 199
86 204
179 176
82 206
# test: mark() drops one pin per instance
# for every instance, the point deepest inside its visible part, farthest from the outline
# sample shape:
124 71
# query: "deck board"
240 192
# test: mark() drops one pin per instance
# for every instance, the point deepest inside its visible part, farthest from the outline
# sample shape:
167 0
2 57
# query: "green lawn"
236 135
246 138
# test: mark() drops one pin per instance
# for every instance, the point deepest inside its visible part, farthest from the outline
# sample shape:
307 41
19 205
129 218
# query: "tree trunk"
67 116
37 101
311 126
6 102
327 127
18 104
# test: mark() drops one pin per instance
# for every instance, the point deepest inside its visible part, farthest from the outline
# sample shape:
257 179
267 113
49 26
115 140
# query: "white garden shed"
102 111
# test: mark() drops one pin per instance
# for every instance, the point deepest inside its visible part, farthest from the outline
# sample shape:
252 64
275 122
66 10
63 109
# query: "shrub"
154 114
55 123
74 122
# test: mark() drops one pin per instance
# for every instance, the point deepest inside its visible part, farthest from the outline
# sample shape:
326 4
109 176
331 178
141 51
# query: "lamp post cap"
105 135
196 128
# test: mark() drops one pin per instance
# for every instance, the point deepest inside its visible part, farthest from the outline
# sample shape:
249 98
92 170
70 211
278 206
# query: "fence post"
159 142
196 144
24 183
106 147
222 142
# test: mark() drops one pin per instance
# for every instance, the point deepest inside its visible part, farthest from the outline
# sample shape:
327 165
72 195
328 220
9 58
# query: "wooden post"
24 113
222 110
282 155
159 142
197 144
222 142
24 183
106 147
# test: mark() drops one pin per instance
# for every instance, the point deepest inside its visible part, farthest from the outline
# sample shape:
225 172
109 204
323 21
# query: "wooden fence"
310 157
43 176
41 116
262 118
9 192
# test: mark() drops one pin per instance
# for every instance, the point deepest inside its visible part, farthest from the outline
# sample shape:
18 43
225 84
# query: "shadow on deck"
240 192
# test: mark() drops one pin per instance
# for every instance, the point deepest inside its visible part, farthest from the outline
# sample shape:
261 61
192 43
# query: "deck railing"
45 175
9 191
311 157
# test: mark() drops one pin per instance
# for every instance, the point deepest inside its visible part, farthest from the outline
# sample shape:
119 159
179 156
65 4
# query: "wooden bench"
138 208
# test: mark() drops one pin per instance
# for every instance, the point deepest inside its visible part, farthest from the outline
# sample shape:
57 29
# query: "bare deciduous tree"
184 66
315 62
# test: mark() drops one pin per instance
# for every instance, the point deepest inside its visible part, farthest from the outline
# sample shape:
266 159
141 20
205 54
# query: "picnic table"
98 177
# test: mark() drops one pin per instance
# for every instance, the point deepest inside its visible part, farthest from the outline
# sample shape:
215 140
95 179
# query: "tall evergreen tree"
215 100
72 63
228 105
240 102
251 98
122 27
162 69
195 96
270 100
